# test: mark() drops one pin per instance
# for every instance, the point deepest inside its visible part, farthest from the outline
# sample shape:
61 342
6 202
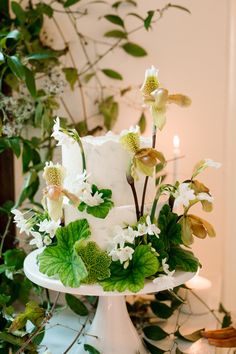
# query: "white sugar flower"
133 129
23 224
148 228
122 254
165 280
47 240
183 195
49 226
211 163
130 234
92 200
205 196
62 138
150 81
37 239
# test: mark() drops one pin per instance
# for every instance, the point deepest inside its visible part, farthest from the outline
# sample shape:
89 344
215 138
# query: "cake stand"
111 331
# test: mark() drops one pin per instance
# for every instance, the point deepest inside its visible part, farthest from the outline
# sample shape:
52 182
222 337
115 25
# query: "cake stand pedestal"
111 331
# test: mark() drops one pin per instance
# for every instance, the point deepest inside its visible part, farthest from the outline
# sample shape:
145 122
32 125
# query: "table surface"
32 272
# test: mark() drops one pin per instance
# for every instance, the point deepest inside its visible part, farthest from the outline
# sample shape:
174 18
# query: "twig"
44 322
5 235
67 110
130 180
76 337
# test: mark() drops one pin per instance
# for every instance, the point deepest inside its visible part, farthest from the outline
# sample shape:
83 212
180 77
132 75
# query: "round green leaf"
134 49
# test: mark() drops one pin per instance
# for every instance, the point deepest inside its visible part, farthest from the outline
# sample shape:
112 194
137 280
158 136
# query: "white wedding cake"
106 165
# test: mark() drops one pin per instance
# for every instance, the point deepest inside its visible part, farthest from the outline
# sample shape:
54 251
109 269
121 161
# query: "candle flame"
176 141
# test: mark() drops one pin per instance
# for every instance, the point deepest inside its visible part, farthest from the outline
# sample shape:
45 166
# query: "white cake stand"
111 331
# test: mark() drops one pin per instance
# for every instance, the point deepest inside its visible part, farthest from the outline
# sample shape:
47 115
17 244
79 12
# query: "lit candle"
176 151
202 288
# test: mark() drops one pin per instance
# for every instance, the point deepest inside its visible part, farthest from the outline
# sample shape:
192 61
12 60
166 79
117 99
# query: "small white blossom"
148 228
211 163
49 226
62 138
37 239
122 254
91 200
183 195
165 280
47 240
21 222
205 196
133 129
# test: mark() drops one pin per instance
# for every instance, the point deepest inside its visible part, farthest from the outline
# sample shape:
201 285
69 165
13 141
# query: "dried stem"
5 235
76 337
130 180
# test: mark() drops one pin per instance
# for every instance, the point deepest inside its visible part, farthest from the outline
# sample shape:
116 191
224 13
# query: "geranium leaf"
183 259
97 261
62 259
143 264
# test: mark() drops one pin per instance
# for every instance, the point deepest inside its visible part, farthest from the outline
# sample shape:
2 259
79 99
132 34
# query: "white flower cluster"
167 279
185 194
46 229
83 190
118 249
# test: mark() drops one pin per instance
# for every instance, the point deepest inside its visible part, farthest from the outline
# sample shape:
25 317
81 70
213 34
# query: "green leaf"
31 185
30 81
4 299
69 3
143 264
227 321
110 110
148 19
134 49
115 34
33 313
45 9
142 123
14 258
89 348
16 66
185 260
152 349
88 77
42 56
97 261
112 74
155 332
118 3
71 75
117 20
15 146
16 341
76 305
15 34
62 260
170 229
161 310
18 11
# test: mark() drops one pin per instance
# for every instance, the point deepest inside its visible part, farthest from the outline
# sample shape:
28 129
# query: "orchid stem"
78 139
146 179
130 180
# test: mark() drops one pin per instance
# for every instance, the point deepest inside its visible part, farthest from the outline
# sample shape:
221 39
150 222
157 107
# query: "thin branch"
5 235
76 337
43 324
67 109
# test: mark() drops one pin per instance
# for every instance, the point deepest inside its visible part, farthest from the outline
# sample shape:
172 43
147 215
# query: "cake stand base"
112 330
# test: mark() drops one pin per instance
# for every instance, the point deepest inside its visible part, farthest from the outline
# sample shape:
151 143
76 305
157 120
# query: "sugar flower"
166 280
49 226
211 163
183 195
23 224
37 239
205 196
203 164
150 81
91 200
122 254
148 228
61 137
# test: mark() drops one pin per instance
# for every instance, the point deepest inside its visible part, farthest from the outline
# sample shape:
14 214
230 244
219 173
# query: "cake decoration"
123 225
